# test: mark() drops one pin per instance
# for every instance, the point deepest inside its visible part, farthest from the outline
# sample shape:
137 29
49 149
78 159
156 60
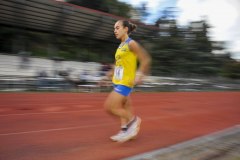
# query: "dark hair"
131 27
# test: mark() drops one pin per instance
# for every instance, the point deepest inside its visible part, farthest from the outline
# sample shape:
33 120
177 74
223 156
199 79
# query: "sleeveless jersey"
125 66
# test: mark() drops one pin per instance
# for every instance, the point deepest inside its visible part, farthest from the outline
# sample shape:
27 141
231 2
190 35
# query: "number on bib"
118 73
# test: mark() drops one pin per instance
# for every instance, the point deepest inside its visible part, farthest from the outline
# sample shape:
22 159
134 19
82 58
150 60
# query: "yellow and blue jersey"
125 65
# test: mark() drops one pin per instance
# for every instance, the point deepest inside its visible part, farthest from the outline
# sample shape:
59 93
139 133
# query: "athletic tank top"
125 65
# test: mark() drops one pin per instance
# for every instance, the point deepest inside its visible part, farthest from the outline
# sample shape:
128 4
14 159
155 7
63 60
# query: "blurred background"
68 45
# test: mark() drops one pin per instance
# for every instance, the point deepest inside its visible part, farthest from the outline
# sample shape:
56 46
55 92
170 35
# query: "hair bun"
133 26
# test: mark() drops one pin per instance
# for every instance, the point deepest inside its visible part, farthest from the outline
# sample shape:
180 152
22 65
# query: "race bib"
118 73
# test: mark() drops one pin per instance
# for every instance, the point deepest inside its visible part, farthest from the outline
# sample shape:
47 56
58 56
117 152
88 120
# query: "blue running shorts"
123 90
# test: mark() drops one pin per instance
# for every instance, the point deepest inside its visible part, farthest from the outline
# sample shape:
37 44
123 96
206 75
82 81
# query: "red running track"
74 126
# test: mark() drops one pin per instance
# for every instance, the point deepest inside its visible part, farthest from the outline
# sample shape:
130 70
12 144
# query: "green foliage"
174 54
231 70
39 52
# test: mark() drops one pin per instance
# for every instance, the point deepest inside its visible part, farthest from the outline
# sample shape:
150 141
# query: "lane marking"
54 129
70 128
35 113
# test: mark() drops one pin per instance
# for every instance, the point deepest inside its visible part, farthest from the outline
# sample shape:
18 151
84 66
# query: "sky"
222 15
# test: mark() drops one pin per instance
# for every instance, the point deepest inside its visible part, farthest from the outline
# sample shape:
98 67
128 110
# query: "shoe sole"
114 140
131 138
134 136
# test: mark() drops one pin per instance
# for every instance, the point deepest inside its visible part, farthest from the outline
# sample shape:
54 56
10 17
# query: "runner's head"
123 27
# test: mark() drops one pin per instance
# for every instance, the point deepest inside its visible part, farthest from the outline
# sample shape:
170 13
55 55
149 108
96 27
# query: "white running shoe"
118 135
132 131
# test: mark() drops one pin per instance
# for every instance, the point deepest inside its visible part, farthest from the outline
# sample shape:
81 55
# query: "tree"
187 50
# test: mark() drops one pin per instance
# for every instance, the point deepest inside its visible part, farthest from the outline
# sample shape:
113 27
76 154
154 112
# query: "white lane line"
34 113
76 127
54 129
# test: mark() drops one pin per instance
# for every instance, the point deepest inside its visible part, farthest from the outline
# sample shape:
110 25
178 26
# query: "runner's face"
119 30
